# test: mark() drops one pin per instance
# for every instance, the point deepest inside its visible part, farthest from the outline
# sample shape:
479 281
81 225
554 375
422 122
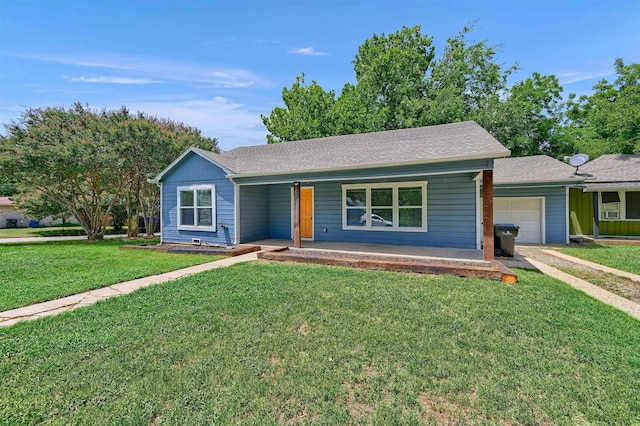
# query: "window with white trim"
619 205
398 206
196 207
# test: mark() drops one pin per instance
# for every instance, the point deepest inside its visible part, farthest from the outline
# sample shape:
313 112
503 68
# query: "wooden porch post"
487 215
296 215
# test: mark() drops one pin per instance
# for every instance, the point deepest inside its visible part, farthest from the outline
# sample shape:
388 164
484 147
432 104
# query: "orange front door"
306 213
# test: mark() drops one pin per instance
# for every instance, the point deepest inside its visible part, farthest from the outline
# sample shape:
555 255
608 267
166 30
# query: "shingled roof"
612 170
534 169
447 142
7 201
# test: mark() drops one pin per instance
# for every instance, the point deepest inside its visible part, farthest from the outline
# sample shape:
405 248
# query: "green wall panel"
580 212
581 218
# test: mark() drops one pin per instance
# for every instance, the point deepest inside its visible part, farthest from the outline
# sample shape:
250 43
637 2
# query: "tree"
305 114
7 186
391 73
608 121
528 118
87 161
70 157
401 84
149 144
465 80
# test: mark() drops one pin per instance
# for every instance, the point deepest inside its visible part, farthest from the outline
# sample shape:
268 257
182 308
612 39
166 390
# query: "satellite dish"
578 160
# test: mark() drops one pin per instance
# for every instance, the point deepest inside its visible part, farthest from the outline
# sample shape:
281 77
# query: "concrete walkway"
630 307
599 267
19 240
69 303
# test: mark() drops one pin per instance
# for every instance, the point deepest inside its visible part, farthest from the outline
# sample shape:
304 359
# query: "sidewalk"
19 240
532 255
69 303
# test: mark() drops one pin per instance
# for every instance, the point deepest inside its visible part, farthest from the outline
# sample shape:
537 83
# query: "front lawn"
274 343
35 272
625 258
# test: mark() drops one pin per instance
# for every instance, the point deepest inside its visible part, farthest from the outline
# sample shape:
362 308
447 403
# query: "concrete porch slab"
441 253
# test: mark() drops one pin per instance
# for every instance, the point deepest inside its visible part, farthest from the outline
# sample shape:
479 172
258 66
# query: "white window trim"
396 208
622 206
194 188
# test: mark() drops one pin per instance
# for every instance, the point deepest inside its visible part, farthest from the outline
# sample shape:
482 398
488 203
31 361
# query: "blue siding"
280 211
451 213
254 213
194 170
555 208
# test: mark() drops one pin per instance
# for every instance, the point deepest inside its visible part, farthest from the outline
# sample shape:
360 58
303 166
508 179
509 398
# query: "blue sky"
218 65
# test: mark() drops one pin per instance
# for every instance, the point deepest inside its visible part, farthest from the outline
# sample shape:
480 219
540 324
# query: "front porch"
440 253
426 260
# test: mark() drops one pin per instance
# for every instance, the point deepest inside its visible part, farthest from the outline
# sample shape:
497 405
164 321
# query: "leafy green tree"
465 80
608 121
305 113
149 144
527 120
68 156
400 83
7 186
391 73
88 162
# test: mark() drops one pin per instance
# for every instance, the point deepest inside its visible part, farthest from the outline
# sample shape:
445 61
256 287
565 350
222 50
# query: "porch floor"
448 254
461 262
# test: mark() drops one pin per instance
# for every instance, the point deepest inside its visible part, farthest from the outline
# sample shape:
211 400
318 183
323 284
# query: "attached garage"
526 212
533 193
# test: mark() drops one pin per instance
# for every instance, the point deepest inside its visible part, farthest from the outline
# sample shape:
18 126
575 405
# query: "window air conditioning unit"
611 214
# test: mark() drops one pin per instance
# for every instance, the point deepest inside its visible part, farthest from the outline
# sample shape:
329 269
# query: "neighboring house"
9 214
609 202
412 187
533 193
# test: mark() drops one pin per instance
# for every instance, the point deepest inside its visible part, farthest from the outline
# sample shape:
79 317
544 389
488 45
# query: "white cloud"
232 123
159 69
309 51
113 80
577 76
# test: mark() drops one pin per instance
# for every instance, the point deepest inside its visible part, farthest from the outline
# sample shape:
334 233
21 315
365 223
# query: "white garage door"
524 212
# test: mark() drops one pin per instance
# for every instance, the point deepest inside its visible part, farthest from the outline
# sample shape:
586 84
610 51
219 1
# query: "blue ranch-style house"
425 186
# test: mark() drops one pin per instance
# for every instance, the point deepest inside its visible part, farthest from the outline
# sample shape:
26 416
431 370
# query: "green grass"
625 258
275 344
35 272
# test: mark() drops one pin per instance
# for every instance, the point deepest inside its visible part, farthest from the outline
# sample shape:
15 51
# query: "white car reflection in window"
376 220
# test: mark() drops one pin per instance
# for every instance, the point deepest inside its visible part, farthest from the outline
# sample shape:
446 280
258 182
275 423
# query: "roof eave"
546 181
489 156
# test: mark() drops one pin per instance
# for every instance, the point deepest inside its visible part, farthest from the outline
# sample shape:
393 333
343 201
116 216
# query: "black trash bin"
12 223
504 239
